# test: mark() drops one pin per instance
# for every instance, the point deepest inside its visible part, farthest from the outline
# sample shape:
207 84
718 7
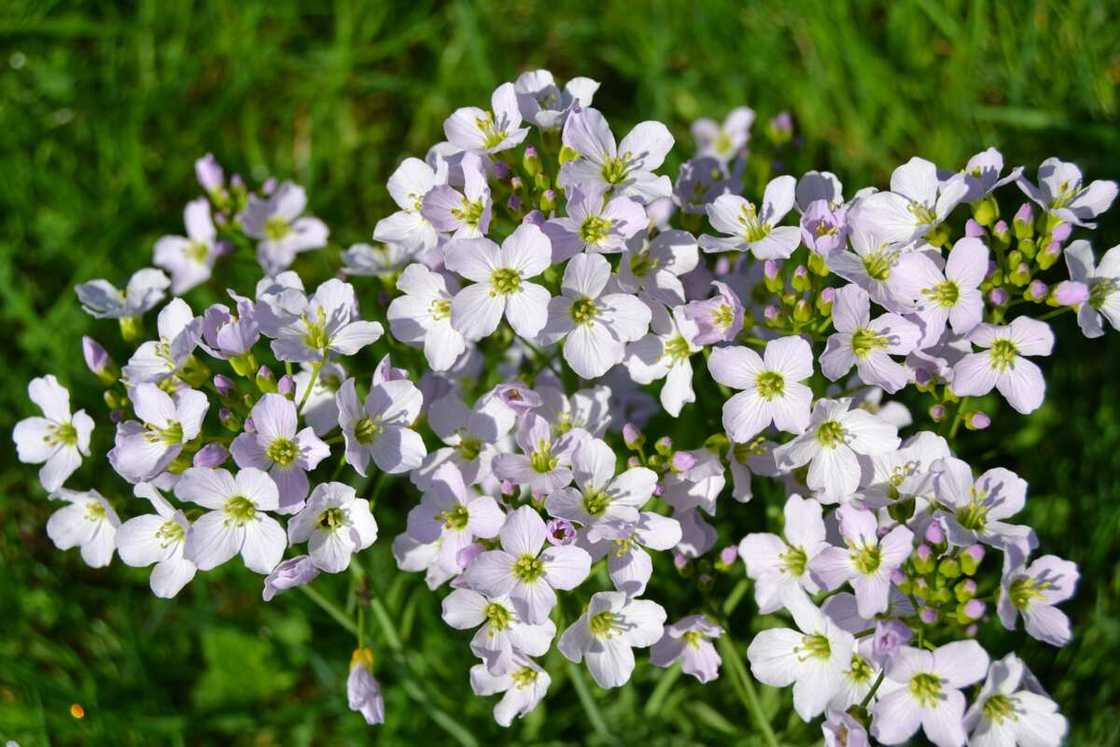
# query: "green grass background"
104 106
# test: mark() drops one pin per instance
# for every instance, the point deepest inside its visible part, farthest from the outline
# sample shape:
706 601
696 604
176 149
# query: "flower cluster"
547 293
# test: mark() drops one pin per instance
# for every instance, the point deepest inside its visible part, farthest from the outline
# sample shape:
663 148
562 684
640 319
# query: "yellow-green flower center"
365 430
643 263
63 433
439 309
595 229
170 532
332 518
524 677
601 624
1002 354
276 228
469 212
866 559
542 460
239 511
469 448
504 281
743 452
865 340
877 265
926 689
584 310
770 384
196 251
945 294
282 451
830 434
595 502
1099 291
614 170
172 435
925 215
497 617
999 708
456 519
315 331
814 647
677 348
528 568
1025 590
95 511
794 561
753 229
693 638
860 670
723 316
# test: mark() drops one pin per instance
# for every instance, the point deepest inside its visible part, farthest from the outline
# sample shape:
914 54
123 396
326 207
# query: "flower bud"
541 182
514 204
965 590
802 311
289 574
680 561
229 421
1021 275
780 128
633 437
1070 293
971 610
1036 291
927 615
727 557
561 532
98 361
224 385
1048 256
1023 222
772 276
970 559
507 487
800 279
211 456
935 534
266 381
209 173
664 446
547 202
937 413
998 297
986 212
633 461
516 185
113 400
1027 248
531 161
286 386
818 265
501 170
977 420
890 635
825 299
771 313
923 559
1001 234
949 568
683 461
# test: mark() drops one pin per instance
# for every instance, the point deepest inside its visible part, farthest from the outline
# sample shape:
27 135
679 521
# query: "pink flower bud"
224 385
974 609
561 532
211 456
680 560
631 436
1071 293
286 385
1037 290
771 312
96 357
683 461
976 552
729 554
501 170
209 173
507 487
771 268
937 413
998 297
1025 214
977 420
927 615
935 535
973 230
514 204
633 461
1061 232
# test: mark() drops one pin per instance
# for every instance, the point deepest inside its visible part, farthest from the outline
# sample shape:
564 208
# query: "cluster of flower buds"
547 293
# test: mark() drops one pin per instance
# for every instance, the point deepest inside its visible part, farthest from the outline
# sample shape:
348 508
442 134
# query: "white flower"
189 259
326 323
1003 365
594 223
179 333
58 440
408 185
471 435
546 105
601 496
723 141
627 168
543 462
594 325
237 522
335 524
453 516
606 633
524 686
159 539
1012 710
381 428
476 130
502 634
745 228
779 566
975 511
689 641
927 693
282 231
145 289
624 543
466 214
423 315
665 354
917 202
812 658
771 386
868 344
652 267
1059 191
1104 286
88 522
500 283
525 574
835 436
145 449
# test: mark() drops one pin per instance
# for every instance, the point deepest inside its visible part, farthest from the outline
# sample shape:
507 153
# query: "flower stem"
874 688
331 609
958 418
588 702
315 367
744 686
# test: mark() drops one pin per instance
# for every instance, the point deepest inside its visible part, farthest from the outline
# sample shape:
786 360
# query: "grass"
104 106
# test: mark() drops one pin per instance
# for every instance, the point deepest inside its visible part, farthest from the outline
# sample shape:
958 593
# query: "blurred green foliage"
104 106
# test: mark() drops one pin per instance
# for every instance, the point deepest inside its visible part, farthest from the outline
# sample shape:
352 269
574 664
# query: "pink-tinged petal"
464 609
835 473
944 724
780 243
973 375
737 367
804 525
626 316
491 573
152 405
916 180
59 467
832 567
475 312
211 542
1047 624
292 485
51 397
761 553
486 517
533 601
33 440
264 544
967 263
1022 385
586 275
355 336
527 250
724 214
474 259
960 663
790 356
591 350
778 198
745 415
895 717
658 532
523 533
274 416
209 488
398 450
526 311
630 571
896 547
610 663
837 358
587 133
872 594
773 656
566 567
791 410
851 309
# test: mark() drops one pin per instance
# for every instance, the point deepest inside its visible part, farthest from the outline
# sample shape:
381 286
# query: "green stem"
958 418
331 609
744 686
588 702
315 367
1054 313
874 688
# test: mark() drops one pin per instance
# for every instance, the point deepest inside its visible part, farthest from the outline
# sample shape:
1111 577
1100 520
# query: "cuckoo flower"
471 436
600 496
689 641
984 174
543 464
500 283
812 658
723 141
1003 365
652 267
665 354
454 516
975 510
522 572
363 692
335 524
407 227
595 326
836 435
927 694
277 445
917 202
624 543
236 522
501 634
327 323
525 686
1104 286
866 561
423 316
1011 709
951 296
1060 192
466 214
868 344
101 299
626 168
281 229
717 319
748 229
1034 591
146 448
156 360
87 522
478 131
158 539
771 386
381 427
594 223
547 105
189 259
606 633
232 337
58 440
779 566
